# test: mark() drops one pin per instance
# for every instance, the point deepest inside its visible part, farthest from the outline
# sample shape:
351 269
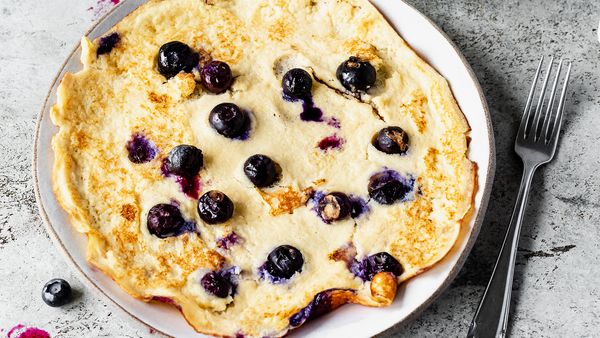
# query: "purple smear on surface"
228 241
20 331
310 112
265 275
140 149
188 226
331 142
359 206
107 43
190 186
333 122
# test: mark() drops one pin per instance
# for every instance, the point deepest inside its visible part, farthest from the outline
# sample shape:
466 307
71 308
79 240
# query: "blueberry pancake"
260 163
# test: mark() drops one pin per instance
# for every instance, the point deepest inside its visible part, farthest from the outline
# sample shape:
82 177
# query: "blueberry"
165 220
185 160
56 292
356 75
334 206
383 262
215 207
216 76
217 284
392 140
297 83
140 149
175 57
228 120
284 261
107 43
261 170
386 189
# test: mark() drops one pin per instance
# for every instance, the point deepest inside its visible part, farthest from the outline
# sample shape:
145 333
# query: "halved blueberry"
228 120
261 170
215 207
284 262
387 189
175 57
334 206
297 83
356 75
165 220
185 160
216 76
392 140
57 292
217 284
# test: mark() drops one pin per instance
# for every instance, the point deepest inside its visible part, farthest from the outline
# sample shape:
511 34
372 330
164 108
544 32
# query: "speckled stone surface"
556 292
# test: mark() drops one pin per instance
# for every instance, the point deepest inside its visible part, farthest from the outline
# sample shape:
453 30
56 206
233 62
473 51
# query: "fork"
536 145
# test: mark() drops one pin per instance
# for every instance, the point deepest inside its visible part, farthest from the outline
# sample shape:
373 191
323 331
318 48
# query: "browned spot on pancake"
320 181
344 254
81 140
279 30
363 50
285 201
417 108
383 288
129 212
160 101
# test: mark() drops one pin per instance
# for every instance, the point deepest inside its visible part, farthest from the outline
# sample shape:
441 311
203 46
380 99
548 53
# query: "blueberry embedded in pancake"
185 160
356 75
392 140
220 283
215 207
216 76
368 267
140 149
229 120
107 43
165 220
297 84
261 170
284 262
389 187
175 57
333 207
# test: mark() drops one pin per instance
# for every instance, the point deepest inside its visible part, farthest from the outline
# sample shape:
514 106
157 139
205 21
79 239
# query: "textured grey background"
556 286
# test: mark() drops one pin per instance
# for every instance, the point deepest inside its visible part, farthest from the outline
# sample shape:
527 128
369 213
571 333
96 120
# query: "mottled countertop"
556 290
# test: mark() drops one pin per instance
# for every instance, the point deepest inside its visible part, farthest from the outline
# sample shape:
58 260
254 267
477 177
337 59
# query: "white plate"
351 320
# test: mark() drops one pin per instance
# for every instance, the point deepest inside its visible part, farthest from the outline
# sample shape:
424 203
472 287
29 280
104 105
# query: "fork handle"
491 318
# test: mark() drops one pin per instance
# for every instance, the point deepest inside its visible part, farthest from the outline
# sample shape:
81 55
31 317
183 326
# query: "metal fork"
536 145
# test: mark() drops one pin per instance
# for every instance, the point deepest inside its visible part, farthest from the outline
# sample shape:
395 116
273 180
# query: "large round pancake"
120 94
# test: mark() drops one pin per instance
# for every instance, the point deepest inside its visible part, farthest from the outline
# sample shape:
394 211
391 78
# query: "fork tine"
559 113
548 114
527 110
540 105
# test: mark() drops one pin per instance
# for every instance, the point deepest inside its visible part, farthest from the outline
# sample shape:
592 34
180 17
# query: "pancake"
120 103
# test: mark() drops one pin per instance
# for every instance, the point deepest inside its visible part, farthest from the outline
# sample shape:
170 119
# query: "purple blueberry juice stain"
333 122
229 241
188 226
102 7
20 331
310 113
140 149
107 43
190 186
320 305
331 142
265 275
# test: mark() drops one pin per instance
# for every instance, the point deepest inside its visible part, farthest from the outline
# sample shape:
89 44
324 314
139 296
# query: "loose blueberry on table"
165 220
392 140
185 160
261 170
216 76
284 262
356 75
228 120
297 84
215 207
175 57
334 207
57 292
217 284
387 189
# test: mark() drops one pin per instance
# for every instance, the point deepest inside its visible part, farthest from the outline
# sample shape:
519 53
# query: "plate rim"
451 276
